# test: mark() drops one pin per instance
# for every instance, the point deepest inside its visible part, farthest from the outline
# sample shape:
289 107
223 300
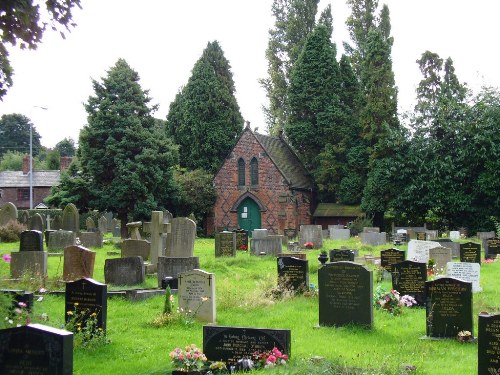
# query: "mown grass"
139 347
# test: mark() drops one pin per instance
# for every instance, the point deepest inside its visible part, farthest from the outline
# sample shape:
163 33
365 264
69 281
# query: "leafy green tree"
53 161
294 20
205 119
15 134
24 22
12 161
66 147
127 159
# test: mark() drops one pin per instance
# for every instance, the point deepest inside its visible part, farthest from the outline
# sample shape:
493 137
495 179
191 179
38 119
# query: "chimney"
26 164
65 162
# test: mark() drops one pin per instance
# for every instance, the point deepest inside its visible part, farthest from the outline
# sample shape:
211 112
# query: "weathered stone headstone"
470 252
441 256
56 224
71 218
485 235
8 212
470 272
260 233
311 233
33 263
134 230
36 223
90 224
36 349
345 294
294 273
180 241
373 238
291 233
488 348
241 239
371 230
86 297
454 246
418 251
60 239
31 240
109 221
230 344
454 235
172 267
492 247
390 257
156 227
102 224
24 218
133 248
339 234
91 239
78 263
342 255
409 277
269 245
124 271
197 294
448 307
225 244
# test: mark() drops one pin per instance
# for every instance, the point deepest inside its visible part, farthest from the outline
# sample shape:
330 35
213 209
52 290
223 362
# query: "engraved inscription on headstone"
341 255
409 278
225 244
390 257
31 240
197 293
470 252
86 297
488 348
492 247
293 272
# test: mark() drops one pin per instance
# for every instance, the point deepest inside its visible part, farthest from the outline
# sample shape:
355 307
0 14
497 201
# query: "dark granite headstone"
342 255
448 307
85 297
124 271
470 252
225 244
36 223
492 247
408 278
390 257
345 294
229 344
31 240
36 349
241 239
488 348
294 272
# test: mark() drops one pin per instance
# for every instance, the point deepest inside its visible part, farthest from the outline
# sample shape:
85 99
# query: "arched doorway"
249 215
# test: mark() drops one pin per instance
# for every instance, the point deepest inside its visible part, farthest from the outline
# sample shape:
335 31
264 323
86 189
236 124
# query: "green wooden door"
248 215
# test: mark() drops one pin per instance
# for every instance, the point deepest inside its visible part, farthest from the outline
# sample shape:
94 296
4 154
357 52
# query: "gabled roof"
16 179
336 210
286 161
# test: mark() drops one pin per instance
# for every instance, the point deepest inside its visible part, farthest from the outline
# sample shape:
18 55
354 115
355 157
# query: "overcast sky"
162 39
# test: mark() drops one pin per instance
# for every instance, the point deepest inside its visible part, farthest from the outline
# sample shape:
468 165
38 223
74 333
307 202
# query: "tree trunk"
378 220
123 225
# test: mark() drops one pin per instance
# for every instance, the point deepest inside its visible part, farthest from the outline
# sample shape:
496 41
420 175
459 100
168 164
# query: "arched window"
254 171
241 172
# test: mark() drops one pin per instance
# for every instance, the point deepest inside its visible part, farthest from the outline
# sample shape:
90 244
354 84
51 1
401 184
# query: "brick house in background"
15 185
261 184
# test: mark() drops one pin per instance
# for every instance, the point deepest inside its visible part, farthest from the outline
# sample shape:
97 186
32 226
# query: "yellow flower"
76 303
70 313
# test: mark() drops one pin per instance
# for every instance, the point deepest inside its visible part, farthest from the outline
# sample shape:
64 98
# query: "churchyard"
246 293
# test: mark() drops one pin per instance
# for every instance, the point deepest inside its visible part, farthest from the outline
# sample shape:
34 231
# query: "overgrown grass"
139 347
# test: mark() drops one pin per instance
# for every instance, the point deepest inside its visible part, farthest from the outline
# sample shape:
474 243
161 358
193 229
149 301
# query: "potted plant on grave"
323 257
431 265
191 360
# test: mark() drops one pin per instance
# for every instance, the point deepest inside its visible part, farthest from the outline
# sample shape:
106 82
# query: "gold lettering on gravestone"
448 302
226 245
32 364
470 253
390 258
493 351
241 346
410 280
343 289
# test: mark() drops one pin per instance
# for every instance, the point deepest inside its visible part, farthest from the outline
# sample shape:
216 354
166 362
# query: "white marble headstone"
470 272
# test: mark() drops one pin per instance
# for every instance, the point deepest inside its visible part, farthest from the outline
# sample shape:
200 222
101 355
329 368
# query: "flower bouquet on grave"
465 336
243 247
309 245
270 358
191 360
392 302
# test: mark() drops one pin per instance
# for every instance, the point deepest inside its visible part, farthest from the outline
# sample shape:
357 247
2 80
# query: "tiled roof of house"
335 210
286 161
16 179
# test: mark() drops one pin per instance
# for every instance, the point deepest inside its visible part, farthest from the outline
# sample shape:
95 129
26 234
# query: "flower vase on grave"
323 258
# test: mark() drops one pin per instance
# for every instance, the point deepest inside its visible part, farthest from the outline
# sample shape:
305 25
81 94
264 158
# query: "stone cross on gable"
156 227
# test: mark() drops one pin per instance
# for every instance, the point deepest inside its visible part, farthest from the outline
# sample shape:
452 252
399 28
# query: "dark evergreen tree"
15 134
66 147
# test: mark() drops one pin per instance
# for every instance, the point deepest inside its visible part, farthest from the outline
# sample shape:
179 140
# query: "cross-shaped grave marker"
156 227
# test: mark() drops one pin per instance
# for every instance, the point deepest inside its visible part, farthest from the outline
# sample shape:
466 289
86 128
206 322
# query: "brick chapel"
262 184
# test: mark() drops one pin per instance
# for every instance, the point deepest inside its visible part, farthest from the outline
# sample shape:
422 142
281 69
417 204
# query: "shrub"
11 231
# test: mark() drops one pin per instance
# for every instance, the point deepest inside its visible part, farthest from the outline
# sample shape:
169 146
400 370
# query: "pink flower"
6 258
271 359
22 304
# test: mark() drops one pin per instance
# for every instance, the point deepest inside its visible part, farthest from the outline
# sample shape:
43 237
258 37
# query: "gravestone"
91 239
23 219
491 247
294 273
36 223
133 230
109 221
156 227
56 224
8 212
71 218
302 256
172 267
345 294
61 239
454 246
124 271
408 278
31 240
291 233
78 263
86 297
133 248
36 349
102 224
470 272
418 251
117 228
311 233
230 344
28 263
90 224
270 245
441 256
339 234
390 257
373 238
241 239
421 236
197 294
260 233
454 235
371 230
342 255
225 244
470 252
448 307
488 348
485 235
180 242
